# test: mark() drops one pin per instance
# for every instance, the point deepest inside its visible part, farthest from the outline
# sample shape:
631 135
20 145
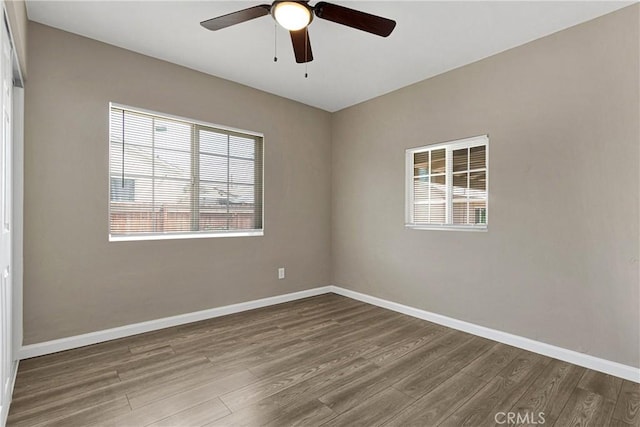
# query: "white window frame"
449 146
185 235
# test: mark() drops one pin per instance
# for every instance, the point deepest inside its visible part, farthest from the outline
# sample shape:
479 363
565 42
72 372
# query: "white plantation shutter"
174 177
447 184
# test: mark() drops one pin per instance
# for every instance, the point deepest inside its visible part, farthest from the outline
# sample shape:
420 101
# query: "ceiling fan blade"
301 45
355 19
238 17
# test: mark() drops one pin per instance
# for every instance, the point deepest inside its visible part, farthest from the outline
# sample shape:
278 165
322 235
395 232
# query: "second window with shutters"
177 178
447 185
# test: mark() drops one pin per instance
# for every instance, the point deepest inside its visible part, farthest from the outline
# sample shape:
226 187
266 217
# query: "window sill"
176 236
447 227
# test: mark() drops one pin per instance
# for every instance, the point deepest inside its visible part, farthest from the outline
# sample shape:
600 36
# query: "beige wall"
559 263
17 15
75 281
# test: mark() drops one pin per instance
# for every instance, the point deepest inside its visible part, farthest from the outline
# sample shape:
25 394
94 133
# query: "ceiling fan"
296 16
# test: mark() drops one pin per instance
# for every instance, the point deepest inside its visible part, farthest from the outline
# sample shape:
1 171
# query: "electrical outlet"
281 273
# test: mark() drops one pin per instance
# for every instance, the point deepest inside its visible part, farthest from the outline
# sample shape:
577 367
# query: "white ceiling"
349 66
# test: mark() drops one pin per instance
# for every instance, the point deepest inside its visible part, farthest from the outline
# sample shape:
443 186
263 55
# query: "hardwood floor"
326 360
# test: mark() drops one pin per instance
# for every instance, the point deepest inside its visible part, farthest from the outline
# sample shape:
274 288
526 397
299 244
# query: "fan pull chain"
306 45
275 42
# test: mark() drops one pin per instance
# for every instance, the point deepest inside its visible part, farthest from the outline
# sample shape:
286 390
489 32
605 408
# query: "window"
447 185
123 190
176 178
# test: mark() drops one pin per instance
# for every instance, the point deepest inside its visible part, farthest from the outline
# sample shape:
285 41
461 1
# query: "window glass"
172 176
448 184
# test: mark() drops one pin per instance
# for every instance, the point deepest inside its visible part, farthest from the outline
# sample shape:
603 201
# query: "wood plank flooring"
326 360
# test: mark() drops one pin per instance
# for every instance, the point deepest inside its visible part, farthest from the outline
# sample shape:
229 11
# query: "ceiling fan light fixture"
292 15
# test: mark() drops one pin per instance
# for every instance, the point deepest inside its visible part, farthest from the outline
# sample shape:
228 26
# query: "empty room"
310 213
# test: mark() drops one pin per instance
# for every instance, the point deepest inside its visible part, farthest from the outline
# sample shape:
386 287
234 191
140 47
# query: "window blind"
447 184
171 177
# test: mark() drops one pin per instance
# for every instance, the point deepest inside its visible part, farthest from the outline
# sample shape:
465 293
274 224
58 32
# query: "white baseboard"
597 364
48 347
